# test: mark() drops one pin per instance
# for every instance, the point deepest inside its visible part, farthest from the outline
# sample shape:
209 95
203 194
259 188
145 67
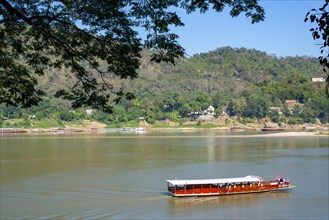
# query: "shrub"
295 120
66 116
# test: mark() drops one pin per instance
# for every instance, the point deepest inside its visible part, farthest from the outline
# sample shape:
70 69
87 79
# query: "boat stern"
287 187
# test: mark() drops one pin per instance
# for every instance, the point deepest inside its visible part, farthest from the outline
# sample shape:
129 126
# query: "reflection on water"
246 206
187 204
107 176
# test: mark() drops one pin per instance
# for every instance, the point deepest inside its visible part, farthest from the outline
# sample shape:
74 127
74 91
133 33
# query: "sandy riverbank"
178 136
234 134
289 134
94 129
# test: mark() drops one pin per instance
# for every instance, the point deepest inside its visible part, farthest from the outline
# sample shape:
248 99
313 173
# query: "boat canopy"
249 178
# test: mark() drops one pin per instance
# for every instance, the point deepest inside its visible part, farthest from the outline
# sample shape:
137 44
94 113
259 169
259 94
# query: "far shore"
217 128
97 132
254 130
289 134
102 136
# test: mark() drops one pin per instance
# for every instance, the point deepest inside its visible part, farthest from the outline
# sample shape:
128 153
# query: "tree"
319 105
185 110
203 99
119 115
321 18
308 115
297 109
2 117
277 102
12 112
38 34
66 115
286 110
237 106
257 106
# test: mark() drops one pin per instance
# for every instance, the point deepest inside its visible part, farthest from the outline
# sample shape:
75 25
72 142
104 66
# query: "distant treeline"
235 81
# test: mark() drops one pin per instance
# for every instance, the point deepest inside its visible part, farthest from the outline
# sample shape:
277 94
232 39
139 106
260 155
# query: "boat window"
197 186
206 186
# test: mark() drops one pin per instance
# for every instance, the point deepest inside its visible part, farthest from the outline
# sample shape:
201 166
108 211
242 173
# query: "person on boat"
281 180
287 180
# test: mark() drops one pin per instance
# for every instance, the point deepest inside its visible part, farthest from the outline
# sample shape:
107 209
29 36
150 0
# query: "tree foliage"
94 40
321 31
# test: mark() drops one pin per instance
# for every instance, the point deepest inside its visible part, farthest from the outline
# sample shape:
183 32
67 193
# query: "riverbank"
86 126
225 134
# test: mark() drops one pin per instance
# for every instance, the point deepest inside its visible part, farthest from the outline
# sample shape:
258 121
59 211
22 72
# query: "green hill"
245 82
227 72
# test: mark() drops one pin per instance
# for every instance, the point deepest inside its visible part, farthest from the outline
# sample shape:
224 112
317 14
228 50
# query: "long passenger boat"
226 186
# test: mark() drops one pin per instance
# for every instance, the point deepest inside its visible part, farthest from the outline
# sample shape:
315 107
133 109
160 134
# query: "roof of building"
291 101
322 76
249 178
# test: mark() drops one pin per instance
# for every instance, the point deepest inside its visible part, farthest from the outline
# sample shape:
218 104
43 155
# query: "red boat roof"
249 178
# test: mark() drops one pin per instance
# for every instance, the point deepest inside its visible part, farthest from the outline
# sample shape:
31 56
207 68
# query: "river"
122 176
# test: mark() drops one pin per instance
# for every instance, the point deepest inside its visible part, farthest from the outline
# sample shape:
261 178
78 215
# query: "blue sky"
283 33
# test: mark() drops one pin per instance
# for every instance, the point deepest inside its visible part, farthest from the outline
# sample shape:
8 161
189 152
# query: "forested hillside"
244 82
228 73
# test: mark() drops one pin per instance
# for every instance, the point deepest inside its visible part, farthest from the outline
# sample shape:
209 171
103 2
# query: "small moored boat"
226 186
12 130
268 128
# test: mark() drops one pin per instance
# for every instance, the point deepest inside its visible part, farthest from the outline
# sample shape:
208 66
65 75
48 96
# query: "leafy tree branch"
321 32
38 34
